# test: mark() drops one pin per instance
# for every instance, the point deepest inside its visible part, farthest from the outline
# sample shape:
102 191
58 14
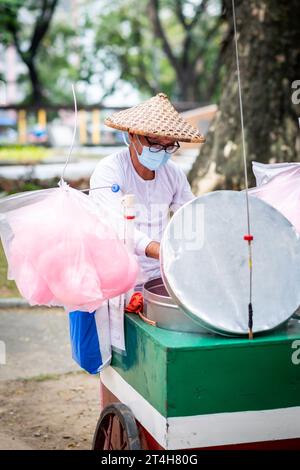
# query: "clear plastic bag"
264 172
60 251
282 191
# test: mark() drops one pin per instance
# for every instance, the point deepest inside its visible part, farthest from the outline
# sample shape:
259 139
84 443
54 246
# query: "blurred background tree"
25 24
269 39
181 47
162 45
152 45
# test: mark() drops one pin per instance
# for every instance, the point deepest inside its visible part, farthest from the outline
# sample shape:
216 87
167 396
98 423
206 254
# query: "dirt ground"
50 412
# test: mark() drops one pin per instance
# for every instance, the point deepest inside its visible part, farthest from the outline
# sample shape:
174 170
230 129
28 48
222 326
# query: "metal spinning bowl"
204 263
161 308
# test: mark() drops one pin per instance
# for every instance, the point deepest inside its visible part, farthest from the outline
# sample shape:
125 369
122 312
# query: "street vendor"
152 132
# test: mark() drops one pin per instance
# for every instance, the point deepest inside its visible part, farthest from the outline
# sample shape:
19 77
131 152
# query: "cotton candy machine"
205 270
159 307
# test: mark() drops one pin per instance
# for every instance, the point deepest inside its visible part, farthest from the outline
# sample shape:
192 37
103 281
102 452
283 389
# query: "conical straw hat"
156 117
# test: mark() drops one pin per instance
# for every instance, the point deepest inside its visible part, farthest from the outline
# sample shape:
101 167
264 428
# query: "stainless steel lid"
204 263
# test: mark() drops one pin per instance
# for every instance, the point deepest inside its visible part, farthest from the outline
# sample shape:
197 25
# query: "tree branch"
12 27
188 40
179 13
140 78
154 14
143 72
198 12
41 25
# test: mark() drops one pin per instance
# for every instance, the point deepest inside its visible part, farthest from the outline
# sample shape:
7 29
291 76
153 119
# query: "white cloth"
154 199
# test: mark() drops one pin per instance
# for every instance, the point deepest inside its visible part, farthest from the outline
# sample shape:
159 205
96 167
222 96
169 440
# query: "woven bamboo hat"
156 117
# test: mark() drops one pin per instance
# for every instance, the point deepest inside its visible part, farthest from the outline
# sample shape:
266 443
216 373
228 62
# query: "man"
145 170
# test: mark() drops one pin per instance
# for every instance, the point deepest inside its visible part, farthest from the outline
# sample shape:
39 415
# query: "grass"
42 378
23 154
46 377
7 288
54 376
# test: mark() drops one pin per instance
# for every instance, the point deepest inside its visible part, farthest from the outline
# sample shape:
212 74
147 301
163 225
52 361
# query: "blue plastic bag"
90 339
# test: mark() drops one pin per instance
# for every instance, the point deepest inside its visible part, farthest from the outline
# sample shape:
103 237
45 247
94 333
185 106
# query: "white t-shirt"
154 199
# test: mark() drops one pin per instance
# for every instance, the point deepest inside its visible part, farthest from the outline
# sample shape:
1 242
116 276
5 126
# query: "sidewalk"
37 342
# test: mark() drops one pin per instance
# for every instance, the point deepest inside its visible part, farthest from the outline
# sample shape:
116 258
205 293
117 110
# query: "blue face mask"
152 160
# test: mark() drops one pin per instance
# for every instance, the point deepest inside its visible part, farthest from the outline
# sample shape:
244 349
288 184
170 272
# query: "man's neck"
141 170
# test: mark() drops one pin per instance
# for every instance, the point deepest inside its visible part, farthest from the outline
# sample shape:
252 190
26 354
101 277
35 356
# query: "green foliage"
127 43
60 63
23 153
24 23
8 18
20 16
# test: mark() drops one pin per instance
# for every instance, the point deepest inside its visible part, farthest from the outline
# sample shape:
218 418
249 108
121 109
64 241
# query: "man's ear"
131 137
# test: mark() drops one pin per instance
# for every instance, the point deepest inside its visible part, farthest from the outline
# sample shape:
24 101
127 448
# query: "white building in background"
10 68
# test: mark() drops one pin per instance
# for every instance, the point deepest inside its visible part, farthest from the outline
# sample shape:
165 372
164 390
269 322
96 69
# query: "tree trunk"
37 96
187 89
269 39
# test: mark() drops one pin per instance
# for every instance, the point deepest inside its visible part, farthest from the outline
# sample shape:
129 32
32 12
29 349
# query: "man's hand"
152 250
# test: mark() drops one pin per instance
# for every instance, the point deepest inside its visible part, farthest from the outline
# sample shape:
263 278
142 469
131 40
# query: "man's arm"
152 250
183 192
182 195
111 205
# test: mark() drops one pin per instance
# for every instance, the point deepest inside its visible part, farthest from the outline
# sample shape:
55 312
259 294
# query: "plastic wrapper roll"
282 190
61 252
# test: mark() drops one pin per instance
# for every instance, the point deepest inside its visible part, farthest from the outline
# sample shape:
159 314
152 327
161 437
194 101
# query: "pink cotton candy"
61 252
119 268
30 284
69 274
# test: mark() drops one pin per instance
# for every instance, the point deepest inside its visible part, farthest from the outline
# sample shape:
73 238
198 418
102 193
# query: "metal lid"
204 263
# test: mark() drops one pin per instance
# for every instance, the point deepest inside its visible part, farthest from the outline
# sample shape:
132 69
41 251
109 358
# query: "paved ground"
45 402
37 342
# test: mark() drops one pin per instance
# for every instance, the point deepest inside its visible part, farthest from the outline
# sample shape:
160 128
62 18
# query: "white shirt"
154 199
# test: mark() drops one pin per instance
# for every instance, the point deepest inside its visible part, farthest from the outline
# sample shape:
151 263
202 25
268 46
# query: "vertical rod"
74 134
250 310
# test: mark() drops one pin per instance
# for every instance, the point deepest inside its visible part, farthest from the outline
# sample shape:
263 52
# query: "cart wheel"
116 429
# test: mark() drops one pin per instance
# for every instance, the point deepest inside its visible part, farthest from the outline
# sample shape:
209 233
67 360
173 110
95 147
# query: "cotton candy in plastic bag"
282 191
60 251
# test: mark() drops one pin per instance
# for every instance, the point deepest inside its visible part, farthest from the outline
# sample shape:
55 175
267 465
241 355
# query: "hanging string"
248 237
114 187
73 137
